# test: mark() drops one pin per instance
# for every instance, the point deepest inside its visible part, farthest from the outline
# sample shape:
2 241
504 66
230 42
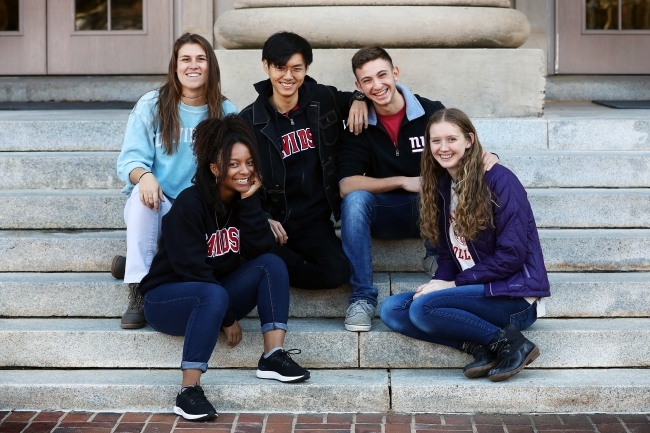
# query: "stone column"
388 23
457 51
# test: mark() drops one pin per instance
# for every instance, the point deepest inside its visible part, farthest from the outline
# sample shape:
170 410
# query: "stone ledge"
563 343
564 250
531 391
575 294
508 83
99 295
230 390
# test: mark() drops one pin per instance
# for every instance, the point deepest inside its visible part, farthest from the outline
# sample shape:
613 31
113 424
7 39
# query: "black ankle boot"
484 360
515 352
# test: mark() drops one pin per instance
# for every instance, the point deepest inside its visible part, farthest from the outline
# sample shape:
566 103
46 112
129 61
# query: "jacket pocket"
329 128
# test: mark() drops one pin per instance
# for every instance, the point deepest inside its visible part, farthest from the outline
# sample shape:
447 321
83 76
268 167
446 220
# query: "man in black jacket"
379 173
298 124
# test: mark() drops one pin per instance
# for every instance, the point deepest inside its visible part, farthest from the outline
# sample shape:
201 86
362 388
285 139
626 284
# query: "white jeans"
143 227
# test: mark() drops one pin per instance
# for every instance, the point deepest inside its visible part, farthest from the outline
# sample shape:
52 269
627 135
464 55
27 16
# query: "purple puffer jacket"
508 259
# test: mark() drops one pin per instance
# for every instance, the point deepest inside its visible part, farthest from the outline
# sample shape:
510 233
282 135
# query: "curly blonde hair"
474 210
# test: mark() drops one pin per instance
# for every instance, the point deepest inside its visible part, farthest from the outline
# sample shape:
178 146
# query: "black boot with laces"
133 318
280 366
515 352
484 359
192 405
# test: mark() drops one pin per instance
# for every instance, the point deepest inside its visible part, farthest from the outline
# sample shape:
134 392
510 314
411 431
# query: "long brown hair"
213 140
474 210
169 94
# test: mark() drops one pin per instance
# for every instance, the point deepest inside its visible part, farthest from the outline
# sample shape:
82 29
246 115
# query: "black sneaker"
192 405
280 366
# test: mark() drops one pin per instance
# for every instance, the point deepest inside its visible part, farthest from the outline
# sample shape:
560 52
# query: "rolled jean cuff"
187 365
273 326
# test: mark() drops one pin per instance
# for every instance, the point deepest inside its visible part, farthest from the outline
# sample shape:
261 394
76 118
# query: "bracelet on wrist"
146 172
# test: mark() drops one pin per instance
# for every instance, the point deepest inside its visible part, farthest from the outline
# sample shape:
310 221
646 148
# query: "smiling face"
192 69
287 79
239 178
376 79
448 145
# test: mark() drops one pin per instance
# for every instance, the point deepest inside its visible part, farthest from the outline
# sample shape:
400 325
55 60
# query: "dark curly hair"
213 140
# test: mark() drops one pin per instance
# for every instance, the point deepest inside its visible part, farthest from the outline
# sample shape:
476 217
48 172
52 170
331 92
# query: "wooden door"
109 36
22 37
602 37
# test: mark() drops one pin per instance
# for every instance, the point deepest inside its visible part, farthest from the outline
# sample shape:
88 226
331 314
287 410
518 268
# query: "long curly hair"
169 94
474 210
213 140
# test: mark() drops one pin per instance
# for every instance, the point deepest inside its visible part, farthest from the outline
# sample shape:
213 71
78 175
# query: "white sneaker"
358 316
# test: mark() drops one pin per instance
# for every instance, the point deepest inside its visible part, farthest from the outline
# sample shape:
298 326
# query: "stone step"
576 169
563 343
576 126
535 169
103 209
407 391
564 250
67 130
99 295
92 251
531 391
30 209
101 343
230 391
59 170
573 294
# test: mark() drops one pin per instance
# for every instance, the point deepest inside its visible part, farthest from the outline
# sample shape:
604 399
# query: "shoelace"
286 356
195 394
136 300
359 307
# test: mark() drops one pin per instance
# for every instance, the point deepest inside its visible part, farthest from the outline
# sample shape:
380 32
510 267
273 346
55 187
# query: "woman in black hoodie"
196 283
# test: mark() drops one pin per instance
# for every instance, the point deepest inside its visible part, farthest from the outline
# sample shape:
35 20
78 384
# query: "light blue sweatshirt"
143 145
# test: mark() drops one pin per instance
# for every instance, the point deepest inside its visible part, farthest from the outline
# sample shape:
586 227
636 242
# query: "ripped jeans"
457 314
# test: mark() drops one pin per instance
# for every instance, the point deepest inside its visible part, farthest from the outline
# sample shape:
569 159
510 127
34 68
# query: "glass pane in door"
9 16
635 14
126 14
602 14
91 15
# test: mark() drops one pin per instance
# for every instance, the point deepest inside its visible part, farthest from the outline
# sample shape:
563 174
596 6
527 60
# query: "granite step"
230 390
574 295
101 343
37 209
531 391
92 251
104 208
59 170
395 390
563 343
578 126
99 295
535 169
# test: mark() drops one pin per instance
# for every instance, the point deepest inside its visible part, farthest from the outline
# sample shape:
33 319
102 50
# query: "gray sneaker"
358 316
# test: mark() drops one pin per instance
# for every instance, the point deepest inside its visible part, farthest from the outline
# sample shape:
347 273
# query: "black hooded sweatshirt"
193 248
305 192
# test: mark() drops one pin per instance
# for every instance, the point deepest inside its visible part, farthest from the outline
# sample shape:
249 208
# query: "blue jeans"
196 310
390 215
457 314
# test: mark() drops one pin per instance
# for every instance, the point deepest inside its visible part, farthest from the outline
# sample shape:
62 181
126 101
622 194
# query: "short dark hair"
279 48
368 54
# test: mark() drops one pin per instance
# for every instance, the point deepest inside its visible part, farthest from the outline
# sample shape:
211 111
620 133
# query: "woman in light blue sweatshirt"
156 161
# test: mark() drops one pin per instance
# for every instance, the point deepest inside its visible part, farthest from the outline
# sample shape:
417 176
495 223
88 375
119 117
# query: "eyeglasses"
296 70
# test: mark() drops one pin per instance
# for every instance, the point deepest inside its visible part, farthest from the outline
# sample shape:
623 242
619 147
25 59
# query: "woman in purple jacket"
491 275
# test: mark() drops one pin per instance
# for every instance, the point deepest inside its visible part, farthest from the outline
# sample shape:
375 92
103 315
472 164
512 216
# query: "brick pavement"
101 422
